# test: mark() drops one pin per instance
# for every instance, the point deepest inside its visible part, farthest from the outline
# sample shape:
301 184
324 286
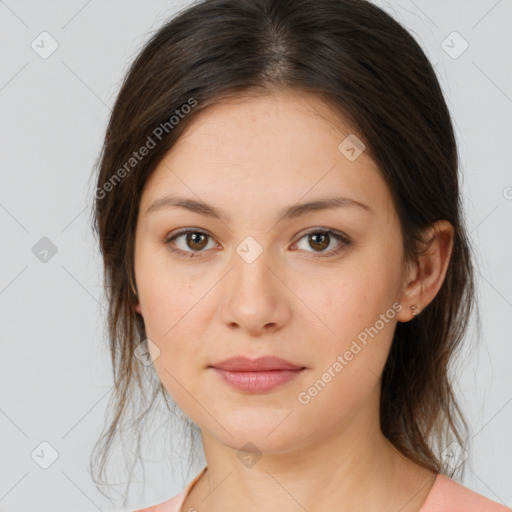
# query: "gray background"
55 373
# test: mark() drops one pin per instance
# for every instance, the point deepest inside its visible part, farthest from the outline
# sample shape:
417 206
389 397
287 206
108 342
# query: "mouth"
257 375
257 381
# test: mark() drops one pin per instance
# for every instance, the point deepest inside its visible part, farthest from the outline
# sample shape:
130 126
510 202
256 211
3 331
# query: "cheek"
167 319
167 295
355 319
348 369
350 300
173 303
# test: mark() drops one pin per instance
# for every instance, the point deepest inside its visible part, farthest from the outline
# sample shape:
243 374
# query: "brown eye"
319 240
192 241
195 241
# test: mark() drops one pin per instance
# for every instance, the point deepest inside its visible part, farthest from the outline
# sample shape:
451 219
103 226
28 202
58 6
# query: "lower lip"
258 382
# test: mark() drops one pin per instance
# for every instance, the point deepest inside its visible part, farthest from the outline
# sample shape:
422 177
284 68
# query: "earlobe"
137 307
428 276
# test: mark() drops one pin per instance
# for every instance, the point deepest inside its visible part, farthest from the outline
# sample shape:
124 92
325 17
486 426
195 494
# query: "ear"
425 279
137 307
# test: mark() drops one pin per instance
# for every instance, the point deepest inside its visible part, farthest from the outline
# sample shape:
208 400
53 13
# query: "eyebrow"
288 213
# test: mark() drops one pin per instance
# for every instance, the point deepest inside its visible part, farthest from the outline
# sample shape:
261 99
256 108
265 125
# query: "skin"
252 157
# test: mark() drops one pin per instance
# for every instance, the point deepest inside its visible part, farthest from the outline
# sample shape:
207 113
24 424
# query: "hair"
369 69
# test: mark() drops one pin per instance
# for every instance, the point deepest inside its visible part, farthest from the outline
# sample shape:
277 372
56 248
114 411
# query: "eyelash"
345 242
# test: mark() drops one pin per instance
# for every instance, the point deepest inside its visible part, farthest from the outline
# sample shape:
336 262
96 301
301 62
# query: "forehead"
279 147
291 124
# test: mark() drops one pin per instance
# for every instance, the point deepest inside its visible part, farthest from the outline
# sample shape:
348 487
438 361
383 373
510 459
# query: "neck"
353 468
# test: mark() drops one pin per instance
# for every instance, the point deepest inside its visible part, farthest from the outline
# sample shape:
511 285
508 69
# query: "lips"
257 375
261 364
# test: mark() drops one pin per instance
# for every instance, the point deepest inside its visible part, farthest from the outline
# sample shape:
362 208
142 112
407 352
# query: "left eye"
197 241
320 239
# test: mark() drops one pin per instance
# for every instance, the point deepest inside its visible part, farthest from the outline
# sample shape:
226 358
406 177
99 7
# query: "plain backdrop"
55 373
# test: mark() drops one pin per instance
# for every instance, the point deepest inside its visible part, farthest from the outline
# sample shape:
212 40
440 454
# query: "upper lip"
241 364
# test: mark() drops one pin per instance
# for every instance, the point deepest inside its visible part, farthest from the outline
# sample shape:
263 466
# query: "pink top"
446 495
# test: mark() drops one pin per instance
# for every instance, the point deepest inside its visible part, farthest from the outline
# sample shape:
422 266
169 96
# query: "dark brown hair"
367 68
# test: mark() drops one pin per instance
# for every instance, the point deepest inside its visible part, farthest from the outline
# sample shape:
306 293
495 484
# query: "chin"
263 429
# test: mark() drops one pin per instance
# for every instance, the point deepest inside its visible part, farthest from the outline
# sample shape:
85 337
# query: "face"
318 287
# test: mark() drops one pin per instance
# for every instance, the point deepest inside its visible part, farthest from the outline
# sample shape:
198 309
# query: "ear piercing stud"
415 310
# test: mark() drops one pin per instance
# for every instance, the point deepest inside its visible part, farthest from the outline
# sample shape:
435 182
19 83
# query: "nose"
256 298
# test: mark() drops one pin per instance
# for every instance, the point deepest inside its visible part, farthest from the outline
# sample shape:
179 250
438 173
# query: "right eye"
192 238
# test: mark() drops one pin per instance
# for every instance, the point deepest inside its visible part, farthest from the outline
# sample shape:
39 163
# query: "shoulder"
172 505
447 495
175 503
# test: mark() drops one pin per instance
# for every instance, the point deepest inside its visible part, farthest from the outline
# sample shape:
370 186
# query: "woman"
278 210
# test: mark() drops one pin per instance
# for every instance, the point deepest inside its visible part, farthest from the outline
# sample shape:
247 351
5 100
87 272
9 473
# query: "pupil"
324 237
193 236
